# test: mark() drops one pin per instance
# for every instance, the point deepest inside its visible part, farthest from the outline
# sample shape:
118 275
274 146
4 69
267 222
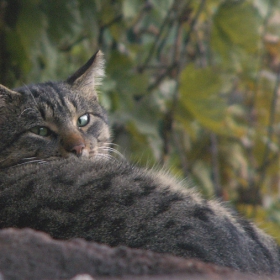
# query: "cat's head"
54 120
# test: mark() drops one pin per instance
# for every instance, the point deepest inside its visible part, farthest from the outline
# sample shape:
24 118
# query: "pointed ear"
89 76
7 96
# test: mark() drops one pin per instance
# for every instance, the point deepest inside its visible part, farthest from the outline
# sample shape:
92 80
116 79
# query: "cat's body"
115 203
55 176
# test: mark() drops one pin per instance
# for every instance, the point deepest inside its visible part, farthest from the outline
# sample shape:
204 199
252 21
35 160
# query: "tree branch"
270 130
157 38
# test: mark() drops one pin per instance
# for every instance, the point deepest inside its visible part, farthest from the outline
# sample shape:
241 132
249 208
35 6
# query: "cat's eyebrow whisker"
31 95
32 109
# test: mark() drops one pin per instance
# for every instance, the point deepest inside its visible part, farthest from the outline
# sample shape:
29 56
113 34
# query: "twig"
194 20
112 21
157 67
161 77
157 38
169 117
269 161
106 25
215 165
177 56
270 130
67 48
251 107
182 154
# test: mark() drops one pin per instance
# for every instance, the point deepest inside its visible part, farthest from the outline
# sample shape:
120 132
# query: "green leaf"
200 96
63 19
236 24
131 8
146 139
162 6
129 83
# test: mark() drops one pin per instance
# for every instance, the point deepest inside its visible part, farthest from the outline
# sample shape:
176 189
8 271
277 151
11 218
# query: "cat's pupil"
42 131
83 120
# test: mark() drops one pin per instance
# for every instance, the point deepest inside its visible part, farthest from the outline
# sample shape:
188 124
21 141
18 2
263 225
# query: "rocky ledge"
28 254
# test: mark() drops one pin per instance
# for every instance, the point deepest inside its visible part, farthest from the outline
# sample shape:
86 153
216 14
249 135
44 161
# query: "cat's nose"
77 149
73 143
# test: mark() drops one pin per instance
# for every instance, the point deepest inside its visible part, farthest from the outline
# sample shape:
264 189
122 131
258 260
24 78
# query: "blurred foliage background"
191 85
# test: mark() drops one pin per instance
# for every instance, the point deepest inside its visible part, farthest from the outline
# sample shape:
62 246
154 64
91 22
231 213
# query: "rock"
28 254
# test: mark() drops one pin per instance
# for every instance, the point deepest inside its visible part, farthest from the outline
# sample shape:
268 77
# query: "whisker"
31 161
105 151
112 150
111 144
103 156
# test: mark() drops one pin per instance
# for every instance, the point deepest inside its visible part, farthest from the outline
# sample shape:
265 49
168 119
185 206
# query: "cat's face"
53 120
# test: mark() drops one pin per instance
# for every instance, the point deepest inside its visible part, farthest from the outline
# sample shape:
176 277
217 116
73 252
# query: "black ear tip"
98 55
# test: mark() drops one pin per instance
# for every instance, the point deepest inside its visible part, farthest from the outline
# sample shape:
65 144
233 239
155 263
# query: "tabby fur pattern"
57 176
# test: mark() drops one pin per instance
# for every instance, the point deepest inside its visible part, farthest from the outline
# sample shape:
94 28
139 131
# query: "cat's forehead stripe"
62 98
42 112
71 106
58 93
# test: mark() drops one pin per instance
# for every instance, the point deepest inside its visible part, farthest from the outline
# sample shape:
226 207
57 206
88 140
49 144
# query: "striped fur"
67 185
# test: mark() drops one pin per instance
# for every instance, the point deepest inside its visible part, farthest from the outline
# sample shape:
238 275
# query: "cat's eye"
83 120
41 130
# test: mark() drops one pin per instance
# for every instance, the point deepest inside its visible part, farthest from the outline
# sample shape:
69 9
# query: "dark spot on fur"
147 190
116 232
141 227
68 181
192 250
202 213
170 224
101 185
185 228
129 199
167 201
103 202
247 226
75 206
145 235
163 207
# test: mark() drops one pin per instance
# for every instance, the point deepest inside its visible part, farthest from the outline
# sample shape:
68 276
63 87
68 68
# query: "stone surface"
27 254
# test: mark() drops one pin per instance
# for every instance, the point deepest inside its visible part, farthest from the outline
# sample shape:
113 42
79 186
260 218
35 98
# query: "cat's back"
116 203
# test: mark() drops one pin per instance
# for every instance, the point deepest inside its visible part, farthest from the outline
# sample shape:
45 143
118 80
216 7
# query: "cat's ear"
7 96
89 76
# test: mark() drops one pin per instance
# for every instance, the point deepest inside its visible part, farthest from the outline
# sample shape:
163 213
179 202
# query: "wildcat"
56 176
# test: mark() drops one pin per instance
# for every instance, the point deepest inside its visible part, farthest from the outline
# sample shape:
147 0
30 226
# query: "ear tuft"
7 96
90 75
